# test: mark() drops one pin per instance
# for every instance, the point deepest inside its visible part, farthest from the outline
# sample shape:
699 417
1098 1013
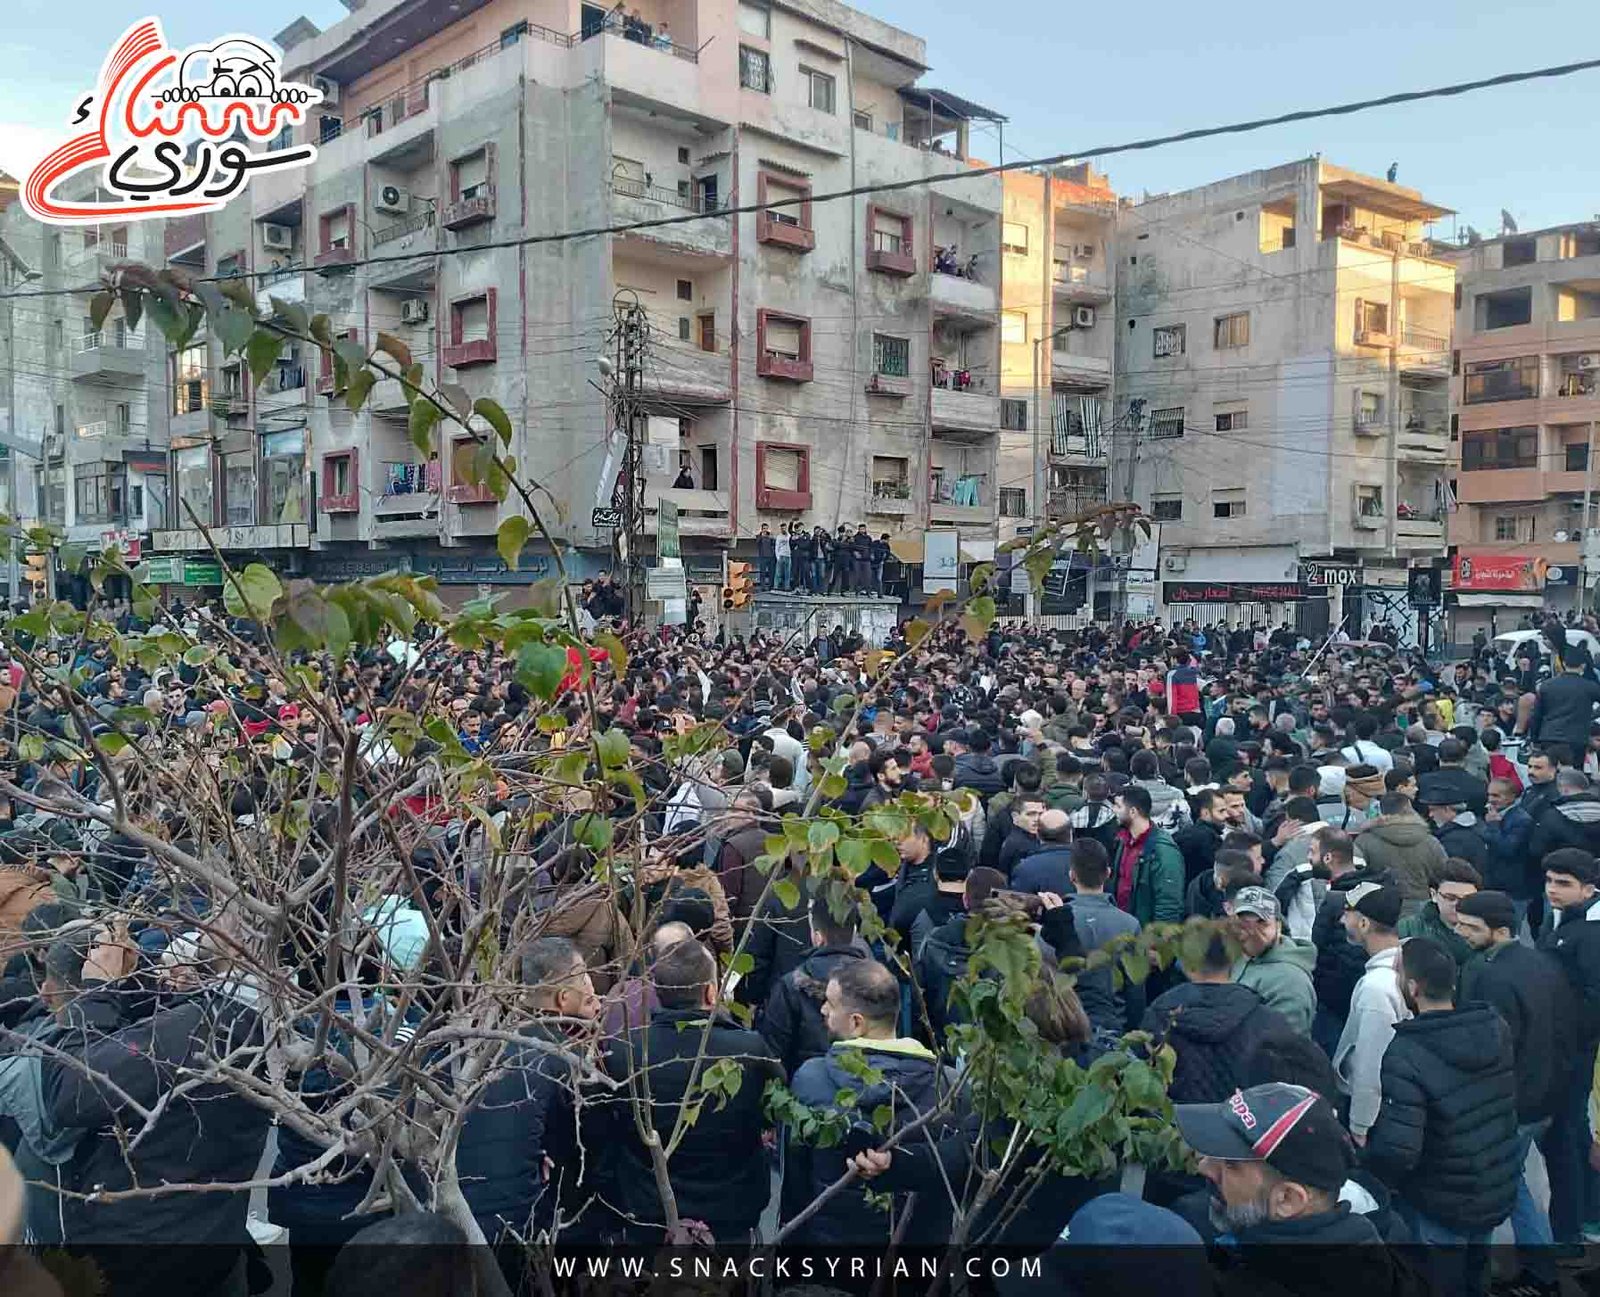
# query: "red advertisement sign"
1481 570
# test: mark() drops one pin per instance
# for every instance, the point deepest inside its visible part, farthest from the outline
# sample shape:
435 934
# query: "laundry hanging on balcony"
1444 498
1076 425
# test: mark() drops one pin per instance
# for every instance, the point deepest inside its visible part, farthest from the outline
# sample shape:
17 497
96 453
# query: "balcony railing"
1578 385
285 378
947 379
1422 340
97 338
693 201
105 248
409 478
399 229
99 429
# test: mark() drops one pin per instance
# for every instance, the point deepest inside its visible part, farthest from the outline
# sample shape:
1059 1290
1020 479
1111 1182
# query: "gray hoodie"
1375 1006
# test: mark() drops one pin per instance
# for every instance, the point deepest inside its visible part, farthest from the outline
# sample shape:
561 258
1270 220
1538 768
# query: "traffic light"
38 573
736 591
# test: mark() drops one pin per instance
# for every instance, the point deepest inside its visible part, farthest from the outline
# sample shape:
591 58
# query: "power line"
1248 126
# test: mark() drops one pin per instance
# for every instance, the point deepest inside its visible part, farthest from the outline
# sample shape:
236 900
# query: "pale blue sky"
1088 74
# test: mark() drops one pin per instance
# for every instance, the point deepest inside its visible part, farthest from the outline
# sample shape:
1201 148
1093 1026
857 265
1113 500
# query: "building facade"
1282 362
824 362
1525 401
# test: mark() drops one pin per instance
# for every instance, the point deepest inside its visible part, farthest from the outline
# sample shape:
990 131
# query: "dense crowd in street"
1395 1015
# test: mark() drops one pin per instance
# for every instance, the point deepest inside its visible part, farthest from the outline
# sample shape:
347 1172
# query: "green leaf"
742 963
821 835
132 307
252 592
350 353
424 414
614 650
291 313
541 668
854 855
233 328
261 352
492 414
593 831
613 745
199 655
917 630
31 747
321 330
509 539
459 398
355 392
100 307
387 342
787 892
172 320
238 292
112 743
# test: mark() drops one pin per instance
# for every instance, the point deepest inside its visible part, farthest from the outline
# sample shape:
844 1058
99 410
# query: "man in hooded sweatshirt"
861 1007
1400 843
793 1023
1276 966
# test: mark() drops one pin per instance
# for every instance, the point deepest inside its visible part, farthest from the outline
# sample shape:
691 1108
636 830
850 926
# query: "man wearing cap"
1445 1138
1372 913
1455 827
1529 991
1276 1158
1276 966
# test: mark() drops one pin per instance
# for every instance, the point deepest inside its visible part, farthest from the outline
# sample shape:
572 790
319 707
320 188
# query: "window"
1231 331
1372 319
1577 456
58 335
336 230
1169 340
708 331
1519 252
122 420
329 128
1232 420
783 338
789 224
472 329
239 489
1503 310
1013 415
686 290
755 70
1369 409
189 380
783 346
511 35
228 267
862 120
891 356
683 154
819 89
782 470
340 483
1167 508
783 476
1228 503
97 495
755 20
684 328
1501 448
1013 502
1513 526
193 468
891 231
1516 379
283 463
1014 327
469 176
1013 236
891 477
1167 422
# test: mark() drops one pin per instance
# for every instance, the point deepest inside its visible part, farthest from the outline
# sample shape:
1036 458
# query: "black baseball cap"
1290 1128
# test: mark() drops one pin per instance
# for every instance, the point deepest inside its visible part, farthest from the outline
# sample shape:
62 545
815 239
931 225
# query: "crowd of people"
801 561
1396 1002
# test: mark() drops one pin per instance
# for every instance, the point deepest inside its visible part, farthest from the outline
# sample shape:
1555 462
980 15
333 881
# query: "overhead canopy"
941 103
1382 197
908 547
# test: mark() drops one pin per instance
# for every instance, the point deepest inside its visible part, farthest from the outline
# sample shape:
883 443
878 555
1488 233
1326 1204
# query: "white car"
1511 643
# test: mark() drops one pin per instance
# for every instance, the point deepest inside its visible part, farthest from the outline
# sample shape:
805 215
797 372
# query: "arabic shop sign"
171 132
1232 592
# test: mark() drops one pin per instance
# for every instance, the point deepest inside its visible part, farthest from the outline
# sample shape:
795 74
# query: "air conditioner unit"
278 237
1589 360
1560 536
414 310
1176 563
1083 317
328 89
392 198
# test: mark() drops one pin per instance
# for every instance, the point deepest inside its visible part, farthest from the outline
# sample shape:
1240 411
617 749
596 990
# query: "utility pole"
1584 565
631 337
20 274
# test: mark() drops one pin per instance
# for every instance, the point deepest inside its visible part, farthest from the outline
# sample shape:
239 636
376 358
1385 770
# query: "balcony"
960 499
966 410
1070 367
229 404
895 385
1576 384
1422 352
962 297
776 364
409 505
1070 282
95 260
700 513
1370 424
889 497
1420 532
99 430
891 254
283 387
285 285
191 419
109 356
783 229
388 399
473 207
282 535
414 234
681 373
335 257
708 235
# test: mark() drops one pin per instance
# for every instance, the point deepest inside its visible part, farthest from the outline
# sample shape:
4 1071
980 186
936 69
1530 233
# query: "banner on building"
1503 573
1232 592
941 561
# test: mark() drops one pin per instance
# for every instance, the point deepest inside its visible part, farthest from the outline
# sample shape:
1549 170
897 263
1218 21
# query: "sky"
1076 77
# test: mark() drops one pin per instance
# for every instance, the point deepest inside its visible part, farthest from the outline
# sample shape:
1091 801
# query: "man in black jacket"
1572 819
793 1024
1200 840
1446 1136
1527 988
134 1041
942 959
1564 707
719 1173
1571 932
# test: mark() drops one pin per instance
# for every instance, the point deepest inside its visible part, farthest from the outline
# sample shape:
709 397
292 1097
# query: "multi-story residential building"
1526 400
1283 354
92 402
823 361
1058 337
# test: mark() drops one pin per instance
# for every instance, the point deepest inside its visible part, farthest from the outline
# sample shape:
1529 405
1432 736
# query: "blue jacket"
1044 871
1508 868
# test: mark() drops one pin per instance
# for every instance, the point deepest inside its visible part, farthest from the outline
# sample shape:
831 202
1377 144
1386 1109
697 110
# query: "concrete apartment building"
1058 337
1525 401
807 363
1283 355
91 402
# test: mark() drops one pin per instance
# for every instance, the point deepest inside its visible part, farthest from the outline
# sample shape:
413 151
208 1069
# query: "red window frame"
901 263
326 254
350 501
800 237
795 371
771 497
325 372
480 351
465 492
